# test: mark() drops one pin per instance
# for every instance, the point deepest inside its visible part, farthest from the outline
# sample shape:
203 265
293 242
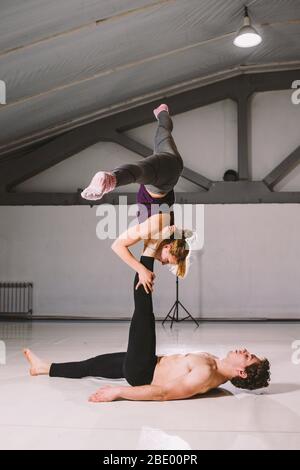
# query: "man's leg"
141 359
109 366
138 363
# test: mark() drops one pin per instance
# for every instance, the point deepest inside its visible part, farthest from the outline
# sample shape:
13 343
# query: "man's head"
248 371
174 252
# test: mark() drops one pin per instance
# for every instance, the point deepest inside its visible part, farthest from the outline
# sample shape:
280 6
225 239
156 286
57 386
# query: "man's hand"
146 279
106 393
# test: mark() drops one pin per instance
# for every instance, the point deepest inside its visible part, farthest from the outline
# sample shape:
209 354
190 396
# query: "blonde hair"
181 250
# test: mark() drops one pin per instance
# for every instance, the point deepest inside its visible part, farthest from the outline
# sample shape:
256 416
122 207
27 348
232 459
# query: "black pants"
138 363
159 172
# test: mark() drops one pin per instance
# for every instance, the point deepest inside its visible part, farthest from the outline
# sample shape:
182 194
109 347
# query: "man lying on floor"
151 377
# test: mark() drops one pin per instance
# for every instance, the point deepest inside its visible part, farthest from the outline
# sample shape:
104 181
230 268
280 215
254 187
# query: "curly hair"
258 376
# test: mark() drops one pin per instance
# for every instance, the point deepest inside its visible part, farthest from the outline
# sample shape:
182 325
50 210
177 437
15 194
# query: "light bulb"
247 35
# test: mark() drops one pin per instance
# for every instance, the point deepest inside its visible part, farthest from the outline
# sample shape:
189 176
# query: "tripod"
173 313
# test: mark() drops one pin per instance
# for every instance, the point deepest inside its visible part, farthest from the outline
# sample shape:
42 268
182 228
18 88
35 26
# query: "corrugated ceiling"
66 60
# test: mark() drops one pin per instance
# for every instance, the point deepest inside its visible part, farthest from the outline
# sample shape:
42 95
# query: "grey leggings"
159 172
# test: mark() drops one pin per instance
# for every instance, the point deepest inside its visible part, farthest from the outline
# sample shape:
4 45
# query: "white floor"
44 413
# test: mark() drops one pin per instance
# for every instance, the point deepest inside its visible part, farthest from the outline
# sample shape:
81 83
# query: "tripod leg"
172 308
172 321
175 316
191 316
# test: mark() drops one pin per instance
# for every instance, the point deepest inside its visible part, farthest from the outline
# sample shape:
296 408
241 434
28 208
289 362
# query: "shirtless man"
180 376
153 377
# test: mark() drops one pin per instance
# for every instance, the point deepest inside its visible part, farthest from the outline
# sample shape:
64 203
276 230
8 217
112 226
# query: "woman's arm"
148 230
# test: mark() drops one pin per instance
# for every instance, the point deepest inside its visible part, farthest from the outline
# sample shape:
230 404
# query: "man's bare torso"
176 366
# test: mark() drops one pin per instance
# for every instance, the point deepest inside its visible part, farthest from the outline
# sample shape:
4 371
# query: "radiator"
16 298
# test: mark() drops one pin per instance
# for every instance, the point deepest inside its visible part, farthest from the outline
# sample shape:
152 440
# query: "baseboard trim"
33 318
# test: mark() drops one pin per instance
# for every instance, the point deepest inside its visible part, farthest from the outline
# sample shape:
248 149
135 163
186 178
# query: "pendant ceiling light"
247 35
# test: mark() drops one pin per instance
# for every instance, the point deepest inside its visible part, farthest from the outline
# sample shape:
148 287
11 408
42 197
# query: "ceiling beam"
283 169
142 114
272 81
243 123
238 192
182 101
131 144
196 178
134 146
15 171
17 168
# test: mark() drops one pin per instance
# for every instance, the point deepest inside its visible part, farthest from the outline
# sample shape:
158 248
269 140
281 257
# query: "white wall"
249 266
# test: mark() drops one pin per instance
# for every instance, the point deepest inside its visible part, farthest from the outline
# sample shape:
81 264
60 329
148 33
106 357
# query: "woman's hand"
104 394
146 279
167 231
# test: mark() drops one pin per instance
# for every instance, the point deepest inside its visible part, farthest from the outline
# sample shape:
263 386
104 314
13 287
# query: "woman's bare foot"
37 365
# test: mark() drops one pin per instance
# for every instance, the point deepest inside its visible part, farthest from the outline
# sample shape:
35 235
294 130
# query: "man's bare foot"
37 365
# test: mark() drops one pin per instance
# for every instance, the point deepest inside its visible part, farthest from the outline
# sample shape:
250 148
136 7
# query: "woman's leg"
163 141
161 169
168 160
141 359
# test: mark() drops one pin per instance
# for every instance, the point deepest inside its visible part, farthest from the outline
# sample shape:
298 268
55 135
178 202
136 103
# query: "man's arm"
196 381
141 392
